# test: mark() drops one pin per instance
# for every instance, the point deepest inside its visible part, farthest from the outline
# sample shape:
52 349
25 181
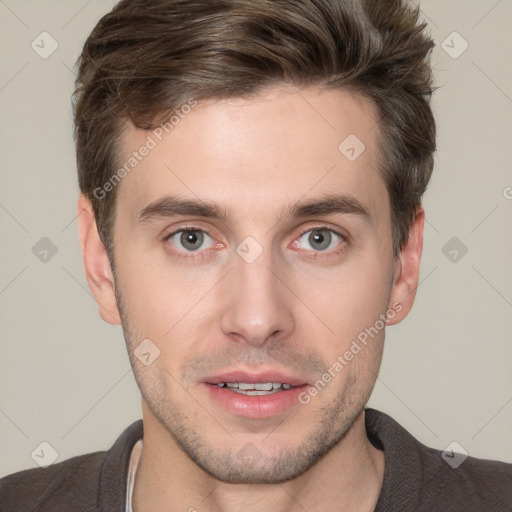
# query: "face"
281 273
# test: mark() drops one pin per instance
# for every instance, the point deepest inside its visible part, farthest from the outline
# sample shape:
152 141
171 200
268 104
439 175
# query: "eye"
189 239
320 239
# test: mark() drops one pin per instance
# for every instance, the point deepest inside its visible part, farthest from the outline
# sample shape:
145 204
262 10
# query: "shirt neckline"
132 470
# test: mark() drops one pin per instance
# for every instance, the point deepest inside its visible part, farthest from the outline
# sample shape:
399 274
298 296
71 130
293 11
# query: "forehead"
256 155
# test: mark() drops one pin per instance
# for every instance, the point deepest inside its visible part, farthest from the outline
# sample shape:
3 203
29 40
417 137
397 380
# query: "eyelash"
187 255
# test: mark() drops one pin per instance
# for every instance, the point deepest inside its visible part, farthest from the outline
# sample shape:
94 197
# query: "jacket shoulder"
72 482
421 479
478 482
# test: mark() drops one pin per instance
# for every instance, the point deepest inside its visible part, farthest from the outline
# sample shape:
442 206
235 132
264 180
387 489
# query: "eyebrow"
171 206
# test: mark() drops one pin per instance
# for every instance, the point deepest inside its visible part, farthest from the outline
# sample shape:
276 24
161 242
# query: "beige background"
65 377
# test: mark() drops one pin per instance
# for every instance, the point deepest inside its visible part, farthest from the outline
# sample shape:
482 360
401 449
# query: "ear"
97 266
407 271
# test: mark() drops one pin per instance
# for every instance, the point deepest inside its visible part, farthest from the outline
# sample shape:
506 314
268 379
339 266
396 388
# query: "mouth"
253 395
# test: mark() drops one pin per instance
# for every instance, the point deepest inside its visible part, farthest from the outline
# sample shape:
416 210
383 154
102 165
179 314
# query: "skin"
286 311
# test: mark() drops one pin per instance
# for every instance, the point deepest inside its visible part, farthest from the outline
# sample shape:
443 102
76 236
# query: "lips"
254 395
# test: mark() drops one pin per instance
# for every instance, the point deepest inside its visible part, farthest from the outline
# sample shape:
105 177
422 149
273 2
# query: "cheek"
348 299
157 294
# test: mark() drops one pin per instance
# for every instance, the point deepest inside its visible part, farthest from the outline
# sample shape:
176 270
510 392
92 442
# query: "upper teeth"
258 386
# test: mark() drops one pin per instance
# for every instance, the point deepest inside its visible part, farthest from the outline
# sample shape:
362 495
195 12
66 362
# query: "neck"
348 478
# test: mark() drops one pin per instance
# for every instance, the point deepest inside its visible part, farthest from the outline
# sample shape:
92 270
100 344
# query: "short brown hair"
146 58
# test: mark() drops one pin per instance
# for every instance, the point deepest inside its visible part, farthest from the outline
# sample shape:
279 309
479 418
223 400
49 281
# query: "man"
251 178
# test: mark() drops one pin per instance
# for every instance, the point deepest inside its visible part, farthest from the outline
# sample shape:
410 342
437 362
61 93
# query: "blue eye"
189 239
322 239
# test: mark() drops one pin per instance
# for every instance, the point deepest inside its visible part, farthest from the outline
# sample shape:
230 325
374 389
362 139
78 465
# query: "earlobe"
407 271
97 265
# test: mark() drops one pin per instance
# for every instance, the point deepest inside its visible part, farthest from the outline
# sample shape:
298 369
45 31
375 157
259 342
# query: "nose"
258 305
